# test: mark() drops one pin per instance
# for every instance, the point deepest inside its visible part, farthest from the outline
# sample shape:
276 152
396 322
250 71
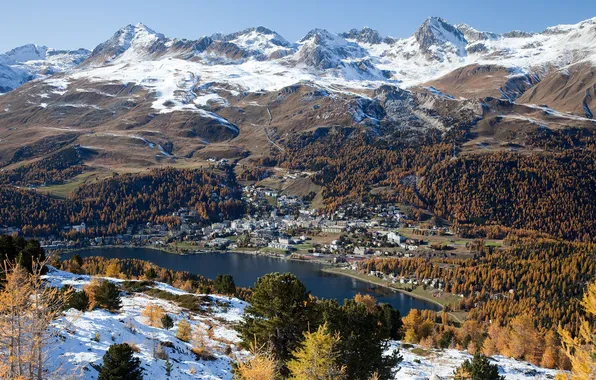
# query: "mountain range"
250 91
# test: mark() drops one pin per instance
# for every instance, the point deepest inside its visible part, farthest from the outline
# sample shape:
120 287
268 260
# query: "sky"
70 24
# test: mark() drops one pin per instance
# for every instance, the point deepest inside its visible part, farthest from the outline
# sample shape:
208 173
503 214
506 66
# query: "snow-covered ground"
441 364
78 351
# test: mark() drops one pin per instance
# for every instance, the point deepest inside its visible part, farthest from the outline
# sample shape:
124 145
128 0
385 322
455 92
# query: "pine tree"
168 368
78 299
107 296
167 322
120 364
479 368
224 284
317 357
364 341
277 315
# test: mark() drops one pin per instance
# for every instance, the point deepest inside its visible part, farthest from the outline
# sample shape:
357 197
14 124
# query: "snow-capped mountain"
133 42
28 62
365 35
437 39
260 59
254 87
260 42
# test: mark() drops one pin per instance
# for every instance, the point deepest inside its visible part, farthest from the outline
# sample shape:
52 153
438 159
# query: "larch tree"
317 357
27 309
261 366
154 314
184 331
581 349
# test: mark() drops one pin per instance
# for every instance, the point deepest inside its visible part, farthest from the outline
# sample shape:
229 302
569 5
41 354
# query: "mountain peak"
139 36
325 50
137 31
28 52
472 35
436 36
365 35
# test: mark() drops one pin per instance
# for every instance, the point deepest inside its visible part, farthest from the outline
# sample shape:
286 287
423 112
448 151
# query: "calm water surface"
247 268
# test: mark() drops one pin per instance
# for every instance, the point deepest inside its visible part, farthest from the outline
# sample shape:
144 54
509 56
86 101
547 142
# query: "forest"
545 276
54 169
552 192
111 205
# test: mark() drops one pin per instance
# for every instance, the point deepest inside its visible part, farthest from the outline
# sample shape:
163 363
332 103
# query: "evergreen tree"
479 368
363 338
277 315
150 274
167 322
119 364
317 357
224 284
107 296
168 368
78 300
392 321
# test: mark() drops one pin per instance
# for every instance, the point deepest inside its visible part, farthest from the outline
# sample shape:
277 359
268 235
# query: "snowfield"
80 353
441 364
328 60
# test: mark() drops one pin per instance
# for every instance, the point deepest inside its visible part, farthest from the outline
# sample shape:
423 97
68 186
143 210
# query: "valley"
433 195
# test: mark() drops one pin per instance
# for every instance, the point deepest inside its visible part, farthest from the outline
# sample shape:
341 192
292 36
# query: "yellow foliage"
369 301
317 357
154 314
582 348
184 331
260 367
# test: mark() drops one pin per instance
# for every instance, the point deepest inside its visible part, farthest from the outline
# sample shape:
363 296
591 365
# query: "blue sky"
82 23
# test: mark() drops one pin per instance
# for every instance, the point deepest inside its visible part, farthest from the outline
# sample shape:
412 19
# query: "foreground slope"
86 336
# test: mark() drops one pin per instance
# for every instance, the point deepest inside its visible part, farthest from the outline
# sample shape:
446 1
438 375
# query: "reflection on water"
247 268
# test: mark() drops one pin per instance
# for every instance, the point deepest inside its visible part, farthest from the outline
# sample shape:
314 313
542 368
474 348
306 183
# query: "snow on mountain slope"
258 59
261 43
441 364
28 62
133 42
523 53
79 352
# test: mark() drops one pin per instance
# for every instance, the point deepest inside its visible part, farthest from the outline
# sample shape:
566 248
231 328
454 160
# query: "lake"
247 268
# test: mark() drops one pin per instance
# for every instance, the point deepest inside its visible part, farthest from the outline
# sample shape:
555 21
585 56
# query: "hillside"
140 93
79 351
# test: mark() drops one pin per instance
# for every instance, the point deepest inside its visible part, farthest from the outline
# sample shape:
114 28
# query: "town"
276 224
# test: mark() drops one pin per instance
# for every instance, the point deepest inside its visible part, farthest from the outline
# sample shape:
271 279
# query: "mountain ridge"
252 90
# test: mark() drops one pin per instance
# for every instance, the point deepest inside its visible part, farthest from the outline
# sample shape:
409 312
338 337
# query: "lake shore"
198 252
357 276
